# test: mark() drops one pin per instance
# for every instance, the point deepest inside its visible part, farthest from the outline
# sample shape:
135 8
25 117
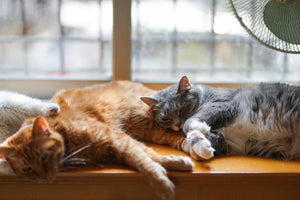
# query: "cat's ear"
184 84
40 127
149 101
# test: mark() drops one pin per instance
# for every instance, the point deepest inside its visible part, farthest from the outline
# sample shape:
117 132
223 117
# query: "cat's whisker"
68 157
75 162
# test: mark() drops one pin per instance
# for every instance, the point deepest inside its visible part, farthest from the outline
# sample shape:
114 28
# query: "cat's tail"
150 164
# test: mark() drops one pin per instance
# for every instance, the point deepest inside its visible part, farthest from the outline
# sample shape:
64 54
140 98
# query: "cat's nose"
176 126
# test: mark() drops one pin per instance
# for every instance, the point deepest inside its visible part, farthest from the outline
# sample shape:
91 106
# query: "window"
56 39
203 40
54 42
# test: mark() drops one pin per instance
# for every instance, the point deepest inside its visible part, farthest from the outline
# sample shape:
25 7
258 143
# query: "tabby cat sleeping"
261 120
93 126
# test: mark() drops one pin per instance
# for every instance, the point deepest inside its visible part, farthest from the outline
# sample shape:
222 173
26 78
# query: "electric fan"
274 23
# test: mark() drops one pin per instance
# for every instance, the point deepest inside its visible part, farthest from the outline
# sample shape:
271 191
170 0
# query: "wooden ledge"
230 177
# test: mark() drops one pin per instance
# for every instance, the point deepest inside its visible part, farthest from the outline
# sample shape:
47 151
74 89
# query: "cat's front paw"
200 147
173 162
51 109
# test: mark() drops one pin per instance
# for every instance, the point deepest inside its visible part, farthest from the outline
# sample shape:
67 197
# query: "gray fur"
261 120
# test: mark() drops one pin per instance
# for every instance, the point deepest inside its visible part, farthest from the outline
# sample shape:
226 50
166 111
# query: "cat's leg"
196 136
21 106
168 137
170 162
196 128
37 107
156 174
49 109
138 156
191 145
218 142
200 146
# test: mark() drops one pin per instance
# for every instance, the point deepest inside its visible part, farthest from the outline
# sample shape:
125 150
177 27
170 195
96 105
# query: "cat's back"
268 109
114 99
215 94
277 90
110 90
116 104
267 96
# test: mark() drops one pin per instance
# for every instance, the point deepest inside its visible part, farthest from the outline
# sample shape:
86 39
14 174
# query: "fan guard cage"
250 14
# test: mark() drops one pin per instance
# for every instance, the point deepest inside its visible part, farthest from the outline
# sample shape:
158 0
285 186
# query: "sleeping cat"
93 126
14 109
261 120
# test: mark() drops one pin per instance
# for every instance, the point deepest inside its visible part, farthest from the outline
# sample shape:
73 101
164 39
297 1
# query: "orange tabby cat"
94 127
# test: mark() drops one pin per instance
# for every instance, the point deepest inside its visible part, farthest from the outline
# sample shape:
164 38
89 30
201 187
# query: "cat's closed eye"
166 119
181 110
27 169
44 157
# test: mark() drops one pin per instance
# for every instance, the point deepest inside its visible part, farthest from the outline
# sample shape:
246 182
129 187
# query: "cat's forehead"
167 94
21 137
168 106
24 131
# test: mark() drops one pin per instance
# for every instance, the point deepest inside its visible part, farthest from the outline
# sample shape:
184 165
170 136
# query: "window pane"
293 69
40 17
193 56
82 59
11 59
10 18
42 59
56 38
231 55
201 39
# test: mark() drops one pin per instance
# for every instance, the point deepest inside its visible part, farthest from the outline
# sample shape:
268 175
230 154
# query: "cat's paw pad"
200 146
51 109
200 126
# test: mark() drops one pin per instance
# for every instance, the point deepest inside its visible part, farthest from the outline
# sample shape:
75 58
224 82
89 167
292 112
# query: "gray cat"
261 120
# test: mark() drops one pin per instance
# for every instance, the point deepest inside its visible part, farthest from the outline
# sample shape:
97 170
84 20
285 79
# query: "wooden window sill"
230 177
